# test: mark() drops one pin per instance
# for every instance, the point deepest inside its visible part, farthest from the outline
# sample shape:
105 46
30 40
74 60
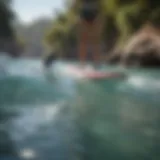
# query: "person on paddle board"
90 26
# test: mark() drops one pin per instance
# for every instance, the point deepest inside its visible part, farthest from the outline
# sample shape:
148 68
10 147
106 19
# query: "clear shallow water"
43 116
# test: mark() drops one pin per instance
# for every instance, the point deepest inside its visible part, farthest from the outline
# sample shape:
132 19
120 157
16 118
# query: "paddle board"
94 74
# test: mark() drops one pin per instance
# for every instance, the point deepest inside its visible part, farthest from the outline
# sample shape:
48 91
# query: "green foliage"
60 33
21 42
6 17
126 17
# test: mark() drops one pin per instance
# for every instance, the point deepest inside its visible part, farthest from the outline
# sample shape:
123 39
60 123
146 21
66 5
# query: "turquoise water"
48 115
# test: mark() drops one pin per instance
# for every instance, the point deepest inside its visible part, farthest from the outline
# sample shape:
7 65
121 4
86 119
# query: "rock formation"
142 49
